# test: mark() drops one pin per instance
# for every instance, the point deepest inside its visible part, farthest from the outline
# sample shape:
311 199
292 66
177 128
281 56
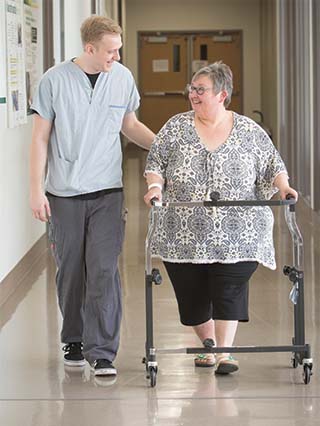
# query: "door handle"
153 93
173 92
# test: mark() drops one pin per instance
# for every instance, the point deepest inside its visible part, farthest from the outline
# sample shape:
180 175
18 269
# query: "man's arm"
38 158
136 131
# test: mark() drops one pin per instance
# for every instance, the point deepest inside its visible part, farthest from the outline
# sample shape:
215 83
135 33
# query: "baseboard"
14 279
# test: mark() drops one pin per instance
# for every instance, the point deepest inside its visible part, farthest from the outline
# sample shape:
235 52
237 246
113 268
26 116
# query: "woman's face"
207 102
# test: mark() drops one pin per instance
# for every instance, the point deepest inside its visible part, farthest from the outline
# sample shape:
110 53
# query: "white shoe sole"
104 371
81 363
104 381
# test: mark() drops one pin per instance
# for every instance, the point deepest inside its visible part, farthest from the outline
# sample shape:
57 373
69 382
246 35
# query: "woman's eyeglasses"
199 90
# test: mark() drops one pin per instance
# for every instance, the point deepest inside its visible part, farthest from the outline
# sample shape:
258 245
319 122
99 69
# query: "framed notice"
160 65
3 63
32 48
16 74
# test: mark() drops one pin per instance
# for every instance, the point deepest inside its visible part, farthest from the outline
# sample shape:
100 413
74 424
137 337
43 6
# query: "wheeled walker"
301 352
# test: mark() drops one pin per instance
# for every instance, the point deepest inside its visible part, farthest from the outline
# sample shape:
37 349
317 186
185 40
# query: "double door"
167 62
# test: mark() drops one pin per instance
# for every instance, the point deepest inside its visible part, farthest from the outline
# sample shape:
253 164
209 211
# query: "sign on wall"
32 45
3 63
16 76
22 40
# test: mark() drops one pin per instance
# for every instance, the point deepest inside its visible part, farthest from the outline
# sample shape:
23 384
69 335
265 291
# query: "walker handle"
225 203
216 202
153 201
249 203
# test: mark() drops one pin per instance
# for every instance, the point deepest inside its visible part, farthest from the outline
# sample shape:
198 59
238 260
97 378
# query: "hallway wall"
178 15
75 12
269 67
298 83
18 230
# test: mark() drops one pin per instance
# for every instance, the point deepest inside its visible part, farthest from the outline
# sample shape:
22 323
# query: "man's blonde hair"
94 28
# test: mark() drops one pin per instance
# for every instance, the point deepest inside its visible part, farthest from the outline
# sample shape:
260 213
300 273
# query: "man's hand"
40 207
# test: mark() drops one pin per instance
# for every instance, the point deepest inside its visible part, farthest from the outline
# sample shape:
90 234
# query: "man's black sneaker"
103 367
73 355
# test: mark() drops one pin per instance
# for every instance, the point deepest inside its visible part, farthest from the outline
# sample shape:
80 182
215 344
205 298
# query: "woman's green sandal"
205 360
226 365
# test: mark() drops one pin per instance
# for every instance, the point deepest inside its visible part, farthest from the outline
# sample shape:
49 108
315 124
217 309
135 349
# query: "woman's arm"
157 161
281 181
155 186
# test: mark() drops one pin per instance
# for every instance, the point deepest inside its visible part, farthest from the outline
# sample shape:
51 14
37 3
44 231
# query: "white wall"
18 230
269 57
75 11
144 15
111 9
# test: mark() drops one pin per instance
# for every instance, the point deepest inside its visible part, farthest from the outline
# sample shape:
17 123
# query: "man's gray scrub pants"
86 238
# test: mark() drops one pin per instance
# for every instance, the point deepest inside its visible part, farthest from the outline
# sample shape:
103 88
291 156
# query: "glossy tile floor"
36 389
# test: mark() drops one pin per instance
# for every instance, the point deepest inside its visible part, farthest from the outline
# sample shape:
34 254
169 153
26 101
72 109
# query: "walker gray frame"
301 352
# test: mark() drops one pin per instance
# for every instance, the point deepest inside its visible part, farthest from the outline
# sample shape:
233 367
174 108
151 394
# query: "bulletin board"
23 20
3 53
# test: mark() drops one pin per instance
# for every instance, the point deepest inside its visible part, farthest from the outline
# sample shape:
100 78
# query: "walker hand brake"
294 294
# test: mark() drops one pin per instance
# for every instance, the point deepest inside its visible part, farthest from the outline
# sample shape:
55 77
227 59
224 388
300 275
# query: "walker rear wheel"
294 361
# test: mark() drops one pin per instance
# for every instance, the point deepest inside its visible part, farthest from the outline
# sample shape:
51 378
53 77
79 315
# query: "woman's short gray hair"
221 76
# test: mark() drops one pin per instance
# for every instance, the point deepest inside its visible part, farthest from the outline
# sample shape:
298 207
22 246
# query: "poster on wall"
16 75
32 48
3 64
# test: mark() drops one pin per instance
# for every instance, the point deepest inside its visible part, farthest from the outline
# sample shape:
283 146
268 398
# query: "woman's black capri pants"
215 291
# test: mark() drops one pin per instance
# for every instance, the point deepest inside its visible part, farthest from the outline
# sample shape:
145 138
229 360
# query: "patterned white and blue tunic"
243 167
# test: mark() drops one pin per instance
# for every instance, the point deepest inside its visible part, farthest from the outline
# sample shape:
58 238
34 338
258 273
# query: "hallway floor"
37 390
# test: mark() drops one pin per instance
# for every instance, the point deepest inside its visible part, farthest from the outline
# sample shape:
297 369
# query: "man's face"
104 52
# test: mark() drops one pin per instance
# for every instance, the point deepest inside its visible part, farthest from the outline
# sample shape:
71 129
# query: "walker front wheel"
153 376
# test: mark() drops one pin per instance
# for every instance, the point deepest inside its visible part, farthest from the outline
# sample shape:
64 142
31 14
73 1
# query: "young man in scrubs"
81 106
